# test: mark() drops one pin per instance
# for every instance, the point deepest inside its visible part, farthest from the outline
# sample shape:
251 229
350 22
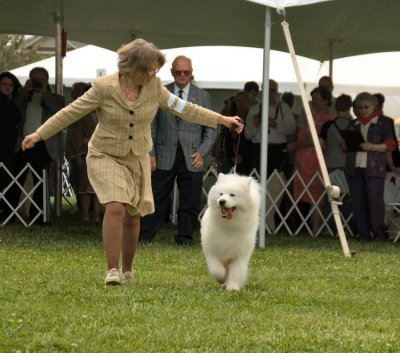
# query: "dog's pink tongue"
228 213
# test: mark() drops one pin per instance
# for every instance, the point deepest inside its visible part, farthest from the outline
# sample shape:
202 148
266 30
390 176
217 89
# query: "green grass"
303 295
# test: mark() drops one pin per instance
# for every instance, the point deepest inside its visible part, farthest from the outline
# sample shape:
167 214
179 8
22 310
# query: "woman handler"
118 158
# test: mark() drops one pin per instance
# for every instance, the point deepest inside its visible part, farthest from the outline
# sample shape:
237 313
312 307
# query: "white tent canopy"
286 3
82 64
335 29
216 67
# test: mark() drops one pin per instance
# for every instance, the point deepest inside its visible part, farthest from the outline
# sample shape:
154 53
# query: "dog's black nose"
222 202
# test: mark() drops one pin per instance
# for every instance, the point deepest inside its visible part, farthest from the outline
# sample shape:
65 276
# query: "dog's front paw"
217 270
232 287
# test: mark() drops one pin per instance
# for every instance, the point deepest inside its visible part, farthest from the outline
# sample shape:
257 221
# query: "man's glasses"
182 72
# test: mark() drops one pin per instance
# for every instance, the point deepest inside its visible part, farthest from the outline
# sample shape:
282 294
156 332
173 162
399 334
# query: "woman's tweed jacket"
123 126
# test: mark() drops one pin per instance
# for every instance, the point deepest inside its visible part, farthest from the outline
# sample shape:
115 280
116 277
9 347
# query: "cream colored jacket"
123 126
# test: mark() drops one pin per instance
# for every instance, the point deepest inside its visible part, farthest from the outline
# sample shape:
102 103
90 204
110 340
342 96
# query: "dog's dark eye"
233 195
220 194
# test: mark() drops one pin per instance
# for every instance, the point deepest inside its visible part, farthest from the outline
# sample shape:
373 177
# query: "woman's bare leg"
112 232
130 236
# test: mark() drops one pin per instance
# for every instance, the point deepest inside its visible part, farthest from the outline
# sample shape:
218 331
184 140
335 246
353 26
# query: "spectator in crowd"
9 119
324 82
235 150
366 169
179 150
355 109
80 133
229 106
290 99
36 105
240 147
222 159
253 89
334 148
393 157
306 161
118 159
332 141
9 85
281 125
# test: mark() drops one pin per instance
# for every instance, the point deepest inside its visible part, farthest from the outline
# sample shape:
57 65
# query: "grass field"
303 295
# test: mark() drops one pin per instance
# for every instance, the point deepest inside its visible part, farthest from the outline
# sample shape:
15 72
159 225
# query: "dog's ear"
253 184
220 177
249 182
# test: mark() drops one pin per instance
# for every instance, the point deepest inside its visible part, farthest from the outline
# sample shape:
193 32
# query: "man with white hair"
179 149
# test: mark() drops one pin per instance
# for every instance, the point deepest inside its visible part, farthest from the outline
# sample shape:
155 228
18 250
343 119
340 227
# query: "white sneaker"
127 278
113 278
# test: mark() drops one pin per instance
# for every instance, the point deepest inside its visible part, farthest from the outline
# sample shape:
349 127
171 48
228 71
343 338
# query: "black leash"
236 155
237 149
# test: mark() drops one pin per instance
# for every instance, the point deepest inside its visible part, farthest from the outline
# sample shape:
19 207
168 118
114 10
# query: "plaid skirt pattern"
124 179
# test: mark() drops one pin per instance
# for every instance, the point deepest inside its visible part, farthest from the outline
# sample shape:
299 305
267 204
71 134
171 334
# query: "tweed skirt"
125 179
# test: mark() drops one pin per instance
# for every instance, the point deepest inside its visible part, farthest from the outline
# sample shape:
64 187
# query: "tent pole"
331 59
264 125
58 20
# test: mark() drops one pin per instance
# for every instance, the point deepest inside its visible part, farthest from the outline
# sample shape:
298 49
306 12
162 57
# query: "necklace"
130 97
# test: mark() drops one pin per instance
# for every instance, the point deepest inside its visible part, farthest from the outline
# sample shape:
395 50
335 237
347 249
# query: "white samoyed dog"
229 227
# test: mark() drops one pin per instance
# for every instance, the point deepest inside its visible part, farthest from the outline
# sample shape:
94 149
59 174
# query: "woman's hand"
30 140
232 122
153 163
373 147
366 146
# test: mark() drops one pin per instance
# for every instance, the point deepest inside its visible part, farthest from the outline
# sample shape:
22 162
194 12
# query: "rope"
331 189
282 12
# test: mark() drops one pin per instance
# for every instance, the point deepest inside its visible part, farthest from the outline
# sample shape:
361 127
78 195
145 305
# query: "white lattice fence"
291 218
26 196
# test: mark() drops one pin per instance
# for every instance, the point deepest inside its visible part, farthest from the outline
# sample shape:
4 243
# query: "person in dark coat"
9 119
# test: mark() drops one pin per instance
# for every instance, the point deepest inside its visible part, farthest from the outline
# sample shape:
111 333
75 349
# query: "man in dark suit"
36 104
178 153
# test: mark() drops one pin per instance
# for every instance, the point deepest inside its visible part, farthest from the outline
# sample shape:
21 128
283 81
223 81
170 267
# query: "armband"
175 103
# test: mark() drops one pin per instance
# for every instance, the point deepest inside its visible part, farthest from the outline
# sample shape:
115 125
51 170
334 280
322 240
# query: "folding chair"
392 204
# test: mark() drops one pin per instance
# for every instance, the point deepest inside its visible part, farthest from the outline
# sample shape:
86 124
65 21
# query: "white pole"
331 59
321 161
264 126
58 20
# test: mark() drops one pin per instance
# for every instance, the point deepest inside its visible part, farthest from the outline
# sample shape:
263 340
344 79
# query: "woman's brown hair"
137 58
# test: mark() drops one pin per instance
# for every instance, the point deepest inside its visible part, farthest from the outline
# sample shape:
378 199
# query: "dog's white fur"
228 237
